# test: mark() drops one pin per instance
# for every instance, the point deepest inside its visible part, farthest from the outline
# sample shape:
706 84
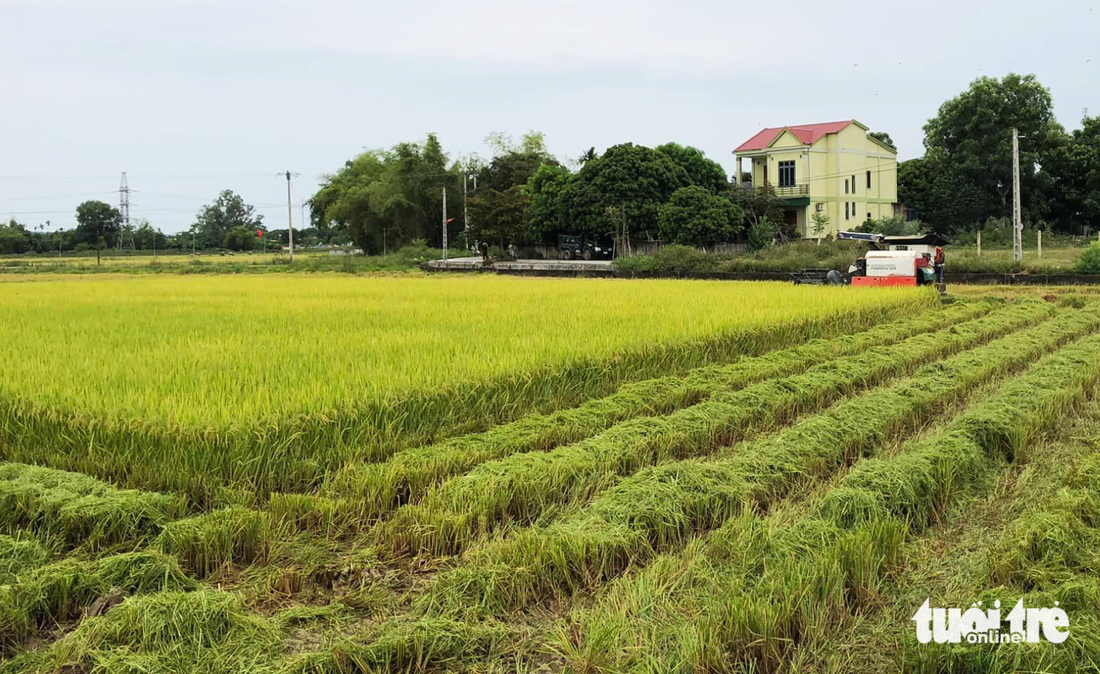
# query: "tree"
761 234
628 176
545 213
97 223
14 239
820 224
499 216
216 220
882 137
761 203
387 198
695 216
1074 172
969 142
239 238
700 170
147 238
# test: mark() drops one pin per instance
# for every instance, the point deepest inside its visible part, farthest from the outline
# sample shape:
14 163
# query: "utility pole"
289 212
465 198
444 223
1017 225
124 211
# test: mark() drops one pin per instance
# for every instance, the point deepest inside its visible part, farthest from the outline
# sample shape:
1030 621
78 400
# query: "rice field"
681 477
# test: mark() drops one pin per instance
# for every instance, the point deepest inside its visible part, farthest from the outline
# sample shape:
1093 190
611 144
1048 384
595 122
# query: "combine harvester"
906 261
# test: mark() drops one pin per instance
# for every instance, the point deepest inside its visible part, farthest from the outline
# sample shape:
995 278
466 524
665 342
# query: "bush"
1089 262
893 226
762 234
695 217
682 259
635 263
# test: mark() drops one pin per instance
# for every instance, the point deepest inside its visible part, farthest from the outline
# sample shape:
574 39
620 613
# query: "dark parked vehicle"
584 247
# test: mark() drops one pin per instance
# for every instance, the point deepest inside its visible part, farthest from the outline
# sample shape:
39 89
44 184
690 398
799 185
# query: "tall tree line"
965 175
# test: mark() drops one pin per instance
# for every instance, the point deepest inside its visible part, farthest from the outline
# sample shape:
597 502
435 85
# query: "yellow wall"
826 165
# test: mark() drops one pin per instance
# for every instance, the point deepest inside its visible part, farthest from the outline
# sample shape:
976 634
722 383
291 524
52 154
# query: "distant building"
833 168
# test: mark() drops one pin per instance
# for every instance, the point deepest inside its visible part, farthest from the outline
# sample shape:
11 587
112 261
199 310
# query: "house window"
845 208
786 174
868 216
868 180
845 189
853 184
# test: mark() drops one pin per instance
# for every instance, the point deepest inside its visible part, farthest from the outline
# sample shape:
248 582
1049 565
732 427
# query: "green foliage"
14 239
172 631
965 176
759 204
56 593
819 224
882 137
206 543
499 216
893 226
239 239
79 509
386 198
695 216
701 172
97 221
18 554
1089 262
761 234
215 222
546 212
628 176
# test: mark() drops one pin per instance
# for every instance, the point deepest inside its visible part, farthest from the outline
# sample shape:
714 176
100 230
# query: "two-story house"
834 168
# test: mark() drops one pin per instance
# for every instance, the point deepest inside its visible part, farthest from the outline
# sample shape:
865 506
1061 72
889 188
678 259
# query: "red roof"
807 133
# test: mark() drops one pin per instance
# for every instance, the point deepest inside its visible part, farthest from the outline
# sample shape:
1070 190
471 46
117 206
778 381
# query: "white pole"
1017 225
444 223
1039 234
979 243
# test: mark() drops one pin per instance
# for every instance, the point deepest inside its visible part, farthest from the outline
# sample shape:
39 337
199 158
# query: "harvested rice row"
522 487
794 582
78 509
660 508
1049 552
381 487
18 554
43 597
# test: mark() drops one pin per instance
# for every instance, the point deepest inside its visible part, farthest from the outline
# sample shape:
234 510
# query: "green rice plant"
79 509
18 554
659 508
521 487
427 644
206 543
217 397
56 593
200 631
381 487
331 516
903 492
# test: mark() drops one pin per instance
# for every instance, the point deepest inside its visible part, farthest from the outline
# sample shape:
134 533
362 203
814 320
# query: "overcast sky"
193 97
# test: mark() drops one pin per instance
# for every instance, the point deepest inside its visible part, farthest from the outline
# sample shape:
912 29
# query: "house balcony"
793 191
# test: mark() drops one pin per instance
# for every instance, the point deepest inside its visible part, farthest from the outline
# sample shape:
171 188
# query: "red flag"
260 233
